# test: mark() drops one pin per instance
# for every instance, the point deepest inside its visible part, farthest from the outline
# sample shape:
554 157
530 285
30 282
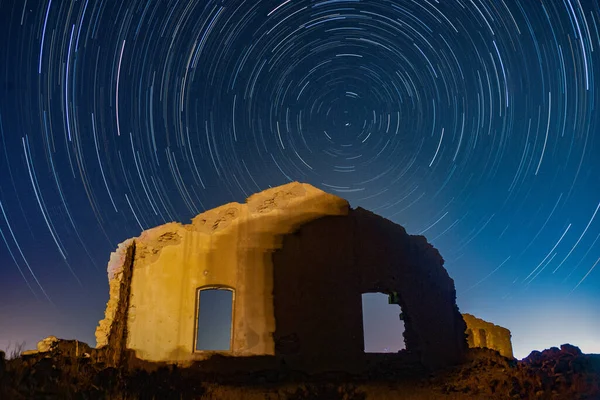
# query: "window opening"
214 319
382 323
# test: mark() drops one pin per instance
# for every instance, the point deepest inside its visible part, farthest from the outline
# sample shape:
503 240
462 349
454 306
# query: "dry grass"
63 374
14 350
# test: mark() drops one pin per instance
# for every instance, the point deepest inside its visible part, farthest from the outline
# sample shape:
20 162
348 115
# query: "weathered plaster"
229 245
299 260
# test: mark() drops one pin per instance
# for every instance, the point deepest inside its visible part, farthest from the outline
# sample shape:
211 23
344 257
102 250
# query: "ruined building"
484 334
287 269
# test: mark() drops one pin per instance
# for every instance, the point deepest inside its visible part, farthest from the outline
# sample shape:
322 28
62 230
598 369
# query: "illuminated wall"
297 261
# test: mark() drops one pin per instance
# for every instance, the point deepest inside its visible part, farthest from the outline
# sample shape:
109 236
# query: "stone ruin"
296 261
484 334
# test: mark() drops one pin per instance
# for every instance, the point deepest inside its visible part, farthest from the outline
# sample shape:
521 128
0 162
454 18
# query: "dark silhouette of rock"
555 373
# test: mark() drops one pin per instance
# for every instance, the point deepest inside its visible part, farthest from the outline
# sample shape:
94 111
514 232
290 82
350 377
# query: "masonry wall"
318 306
112 330
323 269
299 260
392 260
484 334
230 245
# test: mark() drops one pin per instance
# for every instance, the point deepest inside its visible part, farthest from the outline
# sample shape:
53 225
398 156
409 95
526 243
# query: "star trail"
472 122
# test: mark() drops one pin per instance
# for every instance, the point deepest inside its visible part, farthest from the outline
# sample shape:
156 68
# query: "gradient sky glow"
472 122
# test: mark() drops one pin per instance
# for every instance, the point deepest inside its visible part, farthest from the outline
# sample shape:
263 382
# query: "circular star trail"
473 123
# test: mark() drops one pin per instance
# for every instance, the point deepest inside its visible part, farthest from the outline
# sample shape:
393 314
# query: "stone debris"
557 374
564 373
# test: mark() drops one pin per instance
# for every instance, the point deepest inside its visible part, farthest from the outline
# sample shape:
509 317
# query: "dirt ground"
60 373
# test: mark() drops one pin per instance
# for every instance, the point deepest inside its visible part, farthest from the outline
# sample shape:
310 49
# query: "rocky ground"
72 370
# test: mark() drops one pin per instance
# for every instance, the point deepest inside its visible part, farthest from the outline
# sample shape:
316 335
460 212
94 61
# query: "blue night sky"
472 122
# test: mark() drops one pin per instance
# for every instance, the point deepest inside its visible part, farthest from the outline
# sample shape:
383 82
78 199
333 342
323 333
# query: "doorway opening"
382 323
214 319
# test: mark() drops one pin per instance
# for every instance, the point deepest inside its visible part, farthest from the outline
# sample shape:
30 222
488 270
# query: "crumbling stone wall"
111 333
230 245
299 260
481 333
323 269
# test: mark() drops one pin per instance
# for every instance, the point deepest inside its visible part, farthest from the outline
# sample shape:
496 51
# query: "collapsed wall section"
484 334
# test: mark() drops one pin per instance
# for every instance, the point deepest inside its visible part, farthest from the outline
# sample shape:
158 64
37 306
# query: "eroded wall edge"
110 333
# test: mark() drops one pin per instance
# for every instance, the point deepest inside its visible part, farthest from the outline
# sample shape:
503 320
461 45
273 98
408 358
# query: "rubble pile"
63 369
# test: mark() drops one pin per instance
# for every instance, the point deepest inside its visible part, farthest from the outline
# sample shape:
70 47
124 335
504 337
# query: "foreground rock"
64 371
550 374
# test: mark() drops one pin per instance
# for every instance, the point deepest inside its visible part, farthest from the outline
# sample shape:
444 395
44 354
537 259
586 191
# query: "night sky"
472 122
